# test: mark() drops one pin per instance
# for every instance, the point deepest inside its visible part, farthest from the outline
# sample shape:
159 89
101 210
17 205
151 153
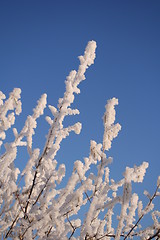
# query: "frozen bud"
53 110
2 96
109 116
18 107
2 135
60 101
11 118
40 106
16 173
146 193
140 207
89 54
78 165
114 194
15 132
110 130
49 120
77 128
61 173
140 172
16 92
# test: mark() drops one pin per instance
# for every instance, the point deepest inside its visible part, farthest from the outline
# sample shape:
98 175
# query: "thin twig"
14 221
155 235
150 201
41 191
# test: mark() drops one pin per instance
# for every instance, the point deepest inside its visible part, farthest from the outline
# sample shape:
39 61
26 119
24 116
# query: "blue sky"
39 45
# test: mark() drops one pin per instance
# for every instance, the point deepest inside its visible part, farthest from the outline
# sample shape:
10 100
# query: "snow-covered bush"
32 203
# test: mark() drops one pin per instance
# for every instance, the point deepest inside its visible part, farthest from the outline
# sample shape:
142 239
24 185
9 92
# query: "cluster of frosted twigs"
38 207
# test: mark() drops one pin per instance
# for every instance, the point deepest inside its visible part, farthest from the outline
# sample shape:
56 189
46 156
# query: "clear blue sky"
39 45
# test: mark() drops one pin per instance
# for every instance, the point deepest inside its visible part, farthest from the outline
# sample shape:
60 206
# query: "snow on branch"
110 130
36 206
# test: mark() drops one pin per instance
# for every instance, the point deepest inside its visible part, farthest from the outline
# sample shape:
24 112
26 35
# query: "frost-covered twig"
144 211
72 83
